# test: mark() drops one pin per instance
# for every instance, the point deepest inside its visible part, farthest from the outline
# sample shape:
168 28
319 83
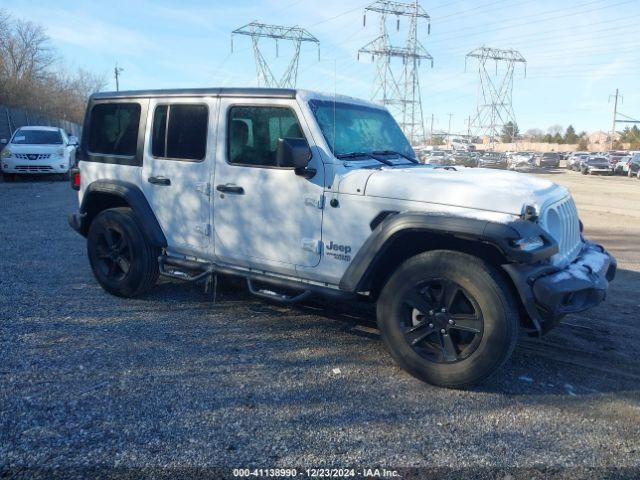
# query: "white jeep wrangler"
305 194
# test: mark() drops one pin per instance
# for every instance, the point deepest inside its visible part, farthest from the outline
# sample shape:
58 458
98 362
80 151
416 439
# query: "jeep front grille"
561 221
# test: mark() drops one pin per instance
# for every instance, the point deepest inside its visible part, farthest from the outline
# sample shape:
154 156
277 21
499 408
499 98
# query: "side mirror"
295 153
73 141
4 141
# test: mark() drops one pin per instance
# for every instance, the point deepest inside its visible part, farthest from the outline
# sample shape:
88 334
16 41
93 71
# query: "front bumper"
52 165
549 293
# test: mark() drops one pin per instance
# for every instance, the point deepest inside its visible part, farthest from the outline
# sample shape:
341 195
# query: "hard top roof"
200 92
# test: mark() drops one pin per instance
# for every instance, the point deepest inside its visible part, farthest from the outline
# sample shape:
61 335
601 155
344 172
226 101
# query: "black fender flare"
359 274
127 192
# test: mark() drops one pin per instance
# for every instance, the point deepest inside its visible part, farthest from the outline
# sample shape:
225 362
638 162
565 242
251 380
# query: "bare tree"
31 76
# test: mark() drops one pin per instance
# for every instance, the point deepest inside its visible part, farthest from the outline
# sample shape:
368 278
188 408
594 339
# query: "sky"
578 52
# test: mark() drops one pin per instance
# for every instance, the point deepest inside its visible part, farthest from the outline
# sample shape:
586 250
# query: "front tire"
121 257
448 318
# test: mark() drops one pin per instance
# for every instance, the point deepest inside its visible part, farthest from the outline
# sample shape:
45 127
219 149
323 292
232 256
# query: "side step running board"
183 269
192 271
278 297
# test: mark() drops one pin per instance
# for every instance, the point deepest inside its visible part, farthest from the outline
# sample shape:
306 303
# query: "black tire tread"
500 287
150 276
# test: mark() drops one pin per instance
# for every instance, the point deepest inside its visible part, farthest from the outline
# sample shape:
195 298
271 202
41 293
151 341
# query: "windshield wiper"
393 152
362 154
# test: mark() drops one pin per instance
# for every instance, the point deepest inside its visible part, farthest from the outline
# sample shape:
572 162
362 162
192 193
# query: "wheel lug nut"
451 322
431 325
431 312
443 331
444 310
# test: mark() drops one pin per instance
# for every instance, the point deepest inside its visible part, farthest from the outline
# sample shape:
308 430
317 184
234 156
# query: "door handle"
229 188
164 181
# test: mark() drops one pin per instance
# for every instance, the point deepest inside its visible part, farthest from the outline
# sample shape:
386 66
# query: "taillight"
75 178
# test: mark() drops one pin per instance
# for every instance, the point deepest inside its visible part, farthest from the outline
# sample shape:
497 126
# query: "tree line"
32 75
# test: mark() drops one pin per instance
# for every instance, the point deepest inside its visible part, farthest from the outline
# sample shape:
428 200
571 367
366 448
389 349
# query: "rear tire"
448 318
121 257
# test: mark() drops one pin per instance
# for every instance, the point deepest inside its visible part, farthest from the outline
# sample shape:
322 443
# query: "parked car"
461 145
465 159
622 166
548 159
574 160
596 165
439 157
493 160
37 150
318 195
634 166
521 160
614 158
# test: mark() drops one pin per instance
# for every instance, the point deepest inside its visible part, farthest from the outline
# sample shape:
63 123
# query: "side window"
114 129
253 134
180 132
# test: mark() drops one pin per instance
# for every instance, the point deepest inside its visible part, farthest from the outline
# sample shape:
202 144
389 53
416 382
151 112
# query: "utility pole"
449 129
615 115
296 35
400 89
116 73
431 131
495 93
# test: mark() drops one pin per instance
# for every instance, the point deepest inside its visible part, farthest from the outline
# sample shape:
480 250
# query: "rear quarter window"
114 129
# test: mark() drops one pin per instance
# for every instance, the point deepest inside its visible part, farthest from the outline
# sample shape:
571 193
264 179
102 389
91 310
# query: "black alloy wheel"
113 254
443 322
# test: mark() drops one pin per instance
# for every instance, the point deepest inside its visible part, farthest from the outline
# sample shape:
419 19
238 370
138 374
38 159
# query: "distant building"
601 137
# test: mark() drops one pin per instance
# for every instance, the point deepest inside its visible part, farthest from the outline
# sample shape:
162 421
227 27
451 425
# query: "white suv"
305 194
38 150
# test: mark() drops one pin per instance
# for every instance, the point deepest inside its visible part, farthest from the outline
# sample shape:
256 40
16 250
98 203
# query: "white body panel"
276 223
183 207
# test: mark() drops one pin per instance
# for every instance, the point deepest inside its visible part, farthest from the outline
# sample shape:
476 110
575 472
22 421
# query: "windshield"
349 128
37 137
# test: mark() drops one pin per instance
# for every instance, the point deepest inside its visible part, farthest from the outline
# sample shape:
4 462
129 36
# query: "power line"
467 33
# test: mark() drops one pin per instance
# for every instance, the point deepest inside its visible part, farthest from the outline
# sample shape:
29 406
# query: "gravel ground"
176 380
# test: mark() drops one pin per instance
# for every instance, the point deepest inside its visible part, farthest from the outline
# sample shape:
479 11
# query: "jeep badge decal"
339 252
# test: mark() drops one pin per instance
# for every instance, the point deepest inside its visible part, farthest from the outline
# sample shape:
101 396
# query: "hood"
475 188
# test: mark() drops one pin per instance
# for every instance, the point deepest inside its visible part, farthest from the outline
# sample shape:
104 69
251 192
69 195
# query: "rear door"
176 175
265 215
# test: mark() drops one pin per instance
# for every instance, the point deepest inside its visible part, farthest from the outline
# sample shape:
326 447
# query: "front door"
265 215
176 172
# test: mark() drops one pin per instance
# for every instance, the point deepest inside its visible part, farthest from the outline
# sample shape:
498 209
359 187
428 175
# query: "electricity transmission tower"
495 93
296 35
399 90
